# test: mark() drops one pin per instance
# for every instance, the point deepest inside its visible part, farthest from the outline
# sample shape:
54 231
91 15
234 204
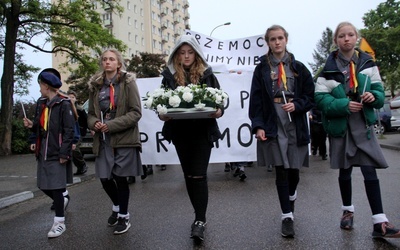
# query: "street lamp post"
228 23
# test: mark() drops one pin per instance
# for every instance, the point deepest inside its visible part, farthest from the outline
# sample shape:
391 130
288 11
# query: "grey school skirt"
283 150
122 162
355 148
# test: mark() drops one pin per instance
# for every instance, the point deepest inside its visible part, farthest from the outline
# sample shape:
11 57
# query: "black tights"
194 155
286 183
118 191
372 187
57 196
197 188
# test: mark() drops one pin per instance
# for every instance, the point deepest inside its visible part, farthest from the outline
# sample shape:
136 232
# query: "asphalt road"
241 215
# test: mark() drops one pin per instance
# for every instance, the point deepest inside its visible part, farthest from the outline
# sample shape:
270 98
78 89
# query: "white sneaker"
57 229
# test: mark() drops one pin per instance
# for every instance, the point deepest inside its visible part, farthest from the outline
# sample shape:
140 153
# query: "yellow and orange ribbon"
112 103
353 78
282 76
44 118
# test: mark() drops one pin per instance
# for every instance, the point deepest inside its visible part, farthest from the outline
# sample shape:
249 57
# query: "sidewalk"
18 173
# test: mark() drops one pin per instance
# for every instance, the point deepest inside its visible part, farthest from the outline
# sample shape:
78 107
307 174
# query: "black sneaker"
149 169
82 170
113 219
385 230
198 228
123 226
227 167
144 175
287 228
347 220
237 172
242 175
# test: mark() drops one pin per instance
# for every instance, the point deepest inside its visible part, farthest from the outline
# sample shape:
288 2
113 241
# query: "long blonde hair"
196 70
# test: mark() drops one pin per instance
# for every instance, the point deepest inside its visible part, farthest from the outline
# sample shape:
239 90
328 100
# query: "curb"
27 195
390 147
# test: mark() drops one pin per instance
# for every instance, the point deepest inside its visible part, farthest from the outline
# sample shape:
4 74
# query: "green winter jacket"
331 99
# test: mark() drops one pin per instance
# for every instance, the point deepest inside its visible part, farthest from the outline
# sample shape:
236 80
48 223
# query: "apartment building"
144 26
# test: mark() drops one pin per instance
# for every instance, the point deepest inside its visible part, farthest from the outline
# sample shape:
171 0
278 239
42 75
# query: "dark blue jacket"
262 112
59 136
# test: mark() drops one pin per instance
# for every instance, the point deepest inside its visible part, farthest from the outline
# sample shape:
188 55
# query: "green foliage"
382 31
80 86
147 64
320 55
20 144
73 27
20 134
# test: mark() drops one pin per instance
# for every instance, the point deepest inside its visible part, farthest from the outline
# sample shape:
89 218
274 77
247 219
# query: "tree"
320 55
74 28
382 31
147 64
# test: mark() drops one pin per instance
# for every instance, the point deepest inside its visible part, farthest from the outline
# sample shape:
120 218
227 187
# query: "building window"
142 41
129 21
141 12
128 5
134 8
136 24
129 36
142 26
136 39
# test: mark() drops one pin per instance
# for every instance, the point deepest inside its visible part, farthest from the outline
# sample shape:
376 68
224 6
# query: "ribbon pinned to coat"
281 76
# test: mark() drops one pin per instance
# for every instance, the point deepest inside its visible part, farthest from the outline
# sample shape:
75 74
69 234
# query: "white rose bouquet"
192 97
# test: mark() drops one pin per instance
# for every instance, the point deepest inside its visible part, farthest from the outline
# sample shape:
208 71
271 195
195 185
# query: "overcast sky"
304 20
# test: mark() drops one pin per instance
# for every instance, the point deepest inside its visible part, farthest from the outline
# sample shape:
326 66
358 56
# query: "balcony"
164 25
161 1
164 39
175 8
107 22
177 20
185 4
186 17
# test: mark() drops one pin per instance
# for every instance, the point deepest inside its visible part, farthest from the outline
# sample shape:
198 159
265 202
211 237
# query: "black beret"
50 79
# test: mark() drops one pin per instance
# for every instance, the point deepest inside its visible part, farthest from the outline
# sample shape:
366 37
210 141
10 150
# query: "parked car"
87 140
395 102
395 110
384 124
